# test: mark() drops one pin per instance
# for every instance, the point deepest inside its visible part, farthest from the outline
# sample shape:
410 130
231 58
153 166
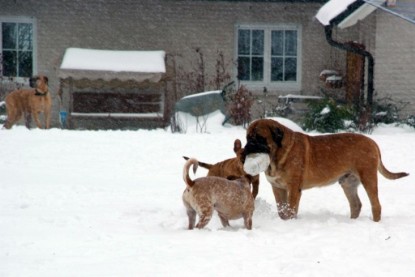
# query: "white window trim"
23 19
259 85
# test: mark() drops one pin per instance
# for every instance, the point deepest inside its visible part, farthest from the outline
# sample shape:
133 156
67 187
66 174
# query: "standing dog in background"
28 102
231 167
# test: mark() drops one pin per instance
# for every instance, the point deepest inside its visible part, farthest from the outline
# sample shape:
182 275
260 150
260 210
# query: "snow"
116 61
334 78
108 203
256 163
202 94
326 110
329 72
299 96
332 9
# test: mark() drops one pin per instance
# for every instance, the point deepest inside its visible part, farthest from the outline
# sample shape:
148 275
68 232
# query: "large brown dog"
231 199
28 102
231 167
299 162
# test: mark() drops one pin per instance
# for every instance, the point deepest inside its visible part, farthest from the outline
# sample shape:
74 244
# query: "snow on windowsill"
202 94
297 96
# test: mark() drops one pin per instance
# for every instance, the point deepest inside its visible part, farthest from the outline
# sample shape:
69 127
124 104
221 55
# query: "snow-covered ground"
108 203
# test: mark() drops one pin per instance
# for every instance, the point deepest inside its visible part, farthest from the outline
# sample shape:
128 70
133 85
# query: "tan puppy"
231 167
28 102
299 161
231 199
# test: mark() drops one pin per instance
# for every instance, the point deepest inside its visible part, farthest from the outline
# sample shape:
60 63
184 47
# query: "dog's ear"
277 136
237 145
46 79
32 81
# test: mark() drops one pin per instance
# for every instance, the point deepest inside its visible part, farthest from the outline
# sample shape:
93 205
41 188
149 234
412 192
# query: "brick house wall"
395 60
179 27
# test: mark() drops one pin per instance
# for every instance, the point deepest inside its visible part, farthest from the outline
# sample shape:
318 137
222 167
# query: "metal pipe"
371 63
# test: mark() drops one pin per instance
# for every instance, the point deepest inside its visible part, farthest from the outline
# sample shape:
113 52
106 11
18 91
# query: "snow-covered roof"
352 11
332 9
81 63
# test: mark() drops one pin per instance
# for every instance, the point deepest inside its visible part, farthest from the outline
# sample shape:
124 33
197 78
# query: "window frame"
21 19
266 82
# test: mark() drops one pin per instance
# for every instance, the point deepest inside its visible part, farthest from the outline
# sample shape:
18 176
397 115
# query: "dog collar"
40 93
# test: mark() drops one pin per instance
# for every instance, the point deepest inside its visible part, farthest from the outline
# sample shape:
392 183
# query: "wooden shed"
107 89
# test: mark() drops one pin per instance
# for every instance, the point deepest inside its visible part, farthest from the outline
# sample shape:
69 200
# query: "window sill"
11 80
288 86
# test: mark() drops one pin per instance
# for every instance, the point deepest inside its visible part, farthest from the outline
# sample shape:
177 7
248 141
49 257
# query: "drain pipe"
371 63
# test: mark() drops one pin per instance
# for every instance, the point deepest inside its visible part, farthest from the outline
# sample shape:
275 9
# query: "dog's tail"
390 175
192 161
202 164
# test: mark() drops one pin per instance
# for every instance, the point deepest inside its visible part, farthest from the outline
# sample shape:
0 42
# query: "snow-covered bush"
410 121
239 106
386 110
326 116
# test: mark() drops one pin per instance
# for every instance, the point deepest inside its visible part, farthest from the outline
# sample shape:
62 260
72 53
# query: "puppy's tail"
390 175
192 161
202 164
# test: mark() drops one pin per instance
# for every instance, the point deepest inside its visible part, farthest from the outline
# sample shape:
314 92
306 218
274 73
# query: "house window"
17 47
251 55
269 56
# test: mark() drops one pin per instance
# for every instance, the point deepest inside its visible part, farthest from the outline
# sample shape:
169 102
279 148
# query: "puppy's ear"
46 80
237 145
242 156
277 136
